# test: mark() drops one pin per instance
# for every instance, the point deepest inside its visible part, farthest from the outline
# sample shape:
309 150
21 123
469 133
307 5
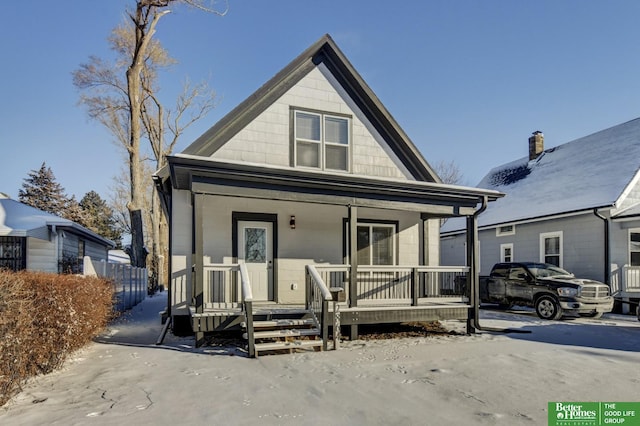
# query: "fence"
130 283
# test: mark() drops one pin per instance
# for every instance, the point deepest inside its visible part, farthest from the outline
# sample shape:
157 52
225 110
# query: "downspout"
56 244
476 280
607 247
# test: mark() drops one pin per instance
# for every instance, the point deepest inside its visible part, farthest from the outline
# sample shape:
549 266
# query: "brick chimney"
536 145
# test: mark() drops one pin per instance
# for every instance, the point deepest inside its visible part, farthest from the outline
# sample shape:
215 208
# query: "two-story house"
306 185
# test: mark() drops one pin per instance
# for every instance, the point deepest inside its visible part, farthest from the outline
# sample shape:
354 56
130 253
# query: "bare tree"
122 101
449 172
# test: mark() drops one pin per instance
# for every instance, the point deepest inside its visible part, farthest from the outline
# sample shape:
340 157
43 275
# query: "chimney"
536 145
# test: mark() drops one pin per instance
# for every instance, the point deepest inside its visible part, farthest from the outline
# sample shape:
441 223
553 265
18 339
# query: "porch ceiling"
252 181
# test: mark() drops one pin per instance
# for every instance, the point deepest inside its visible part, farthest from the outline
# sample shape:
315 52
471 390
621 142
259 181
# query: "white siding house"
39 241
576 205
309 163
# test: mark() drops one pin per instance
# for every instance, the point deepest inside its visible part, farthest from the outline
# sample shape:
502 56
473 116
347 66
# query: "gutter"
475 296
607 247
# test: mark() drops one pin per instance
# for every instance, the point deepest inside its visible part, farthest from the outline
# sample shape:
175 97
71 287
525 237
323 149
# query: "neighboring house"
119 256
576 205
283 184
39 241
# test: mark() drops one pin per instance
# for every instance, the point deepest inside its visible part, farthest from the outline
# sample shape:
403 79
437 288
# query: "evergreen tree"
42 191
99 217
74 211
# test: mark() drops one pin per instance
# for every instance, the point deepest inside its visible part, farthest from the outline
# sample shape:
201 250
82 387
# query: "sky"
468 81
122 377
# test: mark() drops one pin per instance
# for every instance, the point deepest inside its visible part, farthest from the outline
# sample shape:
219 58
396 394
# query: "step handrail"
315 281
247 306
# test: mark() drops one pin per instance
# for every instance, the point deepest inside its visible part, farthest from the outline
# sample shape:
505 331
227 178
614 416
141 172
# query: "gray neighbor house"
307 187
35 240
576 205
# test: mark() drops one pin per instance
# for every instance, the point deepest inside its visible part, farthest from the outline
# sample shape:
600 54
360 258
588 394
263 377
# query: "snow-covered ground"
487 378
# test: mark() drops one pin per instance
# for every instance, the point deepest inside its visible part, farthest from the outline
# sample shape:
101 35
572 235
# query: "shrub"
44 318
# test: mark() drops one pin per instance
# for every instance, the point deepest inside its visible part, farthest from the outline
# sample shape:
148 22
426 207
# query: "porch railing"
222 285
625 280
400 284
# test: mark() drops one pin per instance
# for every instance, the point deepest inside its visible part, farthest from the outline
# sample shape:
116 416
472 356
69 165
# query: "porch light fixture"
292 222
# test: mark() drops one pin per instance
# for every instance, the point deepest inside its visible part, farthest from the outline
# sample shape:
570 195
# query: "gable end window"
505 230
321 140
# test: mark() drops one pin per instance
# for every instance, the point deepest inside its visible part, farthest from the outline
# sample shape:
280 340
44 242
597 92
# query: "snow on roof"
20 220
589 172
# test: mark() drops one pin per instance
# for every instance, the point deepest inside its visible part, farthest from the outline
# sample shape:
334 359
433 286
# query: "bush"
44 318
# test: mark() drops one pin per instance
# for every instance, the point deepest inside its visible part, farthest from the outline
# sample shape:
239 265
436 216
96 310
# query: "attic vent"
509 176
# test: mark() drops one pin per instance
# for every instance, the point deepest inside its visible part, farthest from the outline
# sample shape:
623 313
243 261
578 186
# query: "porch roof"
259 181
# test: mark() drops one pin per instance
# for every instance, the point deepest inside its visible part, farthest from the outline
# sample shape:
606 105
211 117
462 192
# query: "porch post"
472 277
198 262
353 267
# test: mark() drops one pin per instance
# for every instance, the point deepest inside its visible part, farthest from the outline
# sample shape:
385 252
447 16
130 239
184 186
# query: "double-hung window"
376 244
634 247
506 252
321 141
551 248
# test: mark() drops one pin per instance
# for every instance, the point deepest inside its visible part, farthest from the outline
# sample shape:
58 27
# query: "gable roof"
20 220
326 52
590 172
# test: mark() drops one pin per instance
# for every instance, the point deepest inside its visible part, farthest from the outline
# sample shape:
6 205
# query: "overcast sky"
467 80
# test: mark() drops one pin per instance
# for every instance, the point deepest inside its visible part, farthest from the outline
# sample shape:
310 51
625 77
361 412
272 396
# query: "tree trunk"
138 252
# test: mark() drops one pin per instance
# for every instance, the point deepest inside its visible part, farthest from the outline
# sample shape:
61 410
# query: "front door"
255 249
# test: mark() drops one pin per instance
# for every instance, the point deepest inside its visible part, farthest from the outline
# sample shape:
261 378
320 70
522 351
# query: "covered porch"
220 290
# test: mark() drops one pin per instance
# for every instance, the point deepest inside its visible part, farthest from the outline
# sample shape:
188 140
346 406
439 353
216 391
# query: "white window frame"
629 250
322 143
543 237
503 254
501 233
370 225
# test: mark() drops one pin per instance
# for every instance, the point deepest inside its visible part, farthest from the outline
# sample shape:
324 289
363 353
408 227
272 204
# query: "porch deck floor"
363 305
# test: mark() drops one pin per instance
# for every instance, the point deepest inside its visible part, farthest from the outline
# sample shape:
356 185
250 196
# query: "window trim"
635 231
18 263
500 233
322 143
394 224
543 237
503 247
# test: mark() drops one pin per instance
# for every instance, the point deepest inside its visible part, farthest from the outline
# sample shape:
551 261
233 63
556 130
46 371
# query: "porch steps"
284 330
269 334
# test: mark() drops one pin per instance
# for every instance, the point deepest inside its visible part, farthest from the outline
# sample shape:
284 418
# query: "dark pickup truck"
552 291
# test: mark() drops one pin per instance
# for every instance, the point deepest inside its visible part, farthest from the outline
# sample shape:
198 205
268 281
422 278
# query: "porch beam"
353 256
473 274
353 268
412 205
198 261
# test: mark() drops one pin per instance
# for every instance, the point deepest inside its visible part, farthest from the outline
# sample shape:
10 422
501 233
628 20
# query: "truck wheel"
548 308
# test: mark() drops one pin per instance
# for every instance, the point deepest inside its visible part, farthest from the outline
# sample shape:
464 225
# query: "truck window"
500 271
517 273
